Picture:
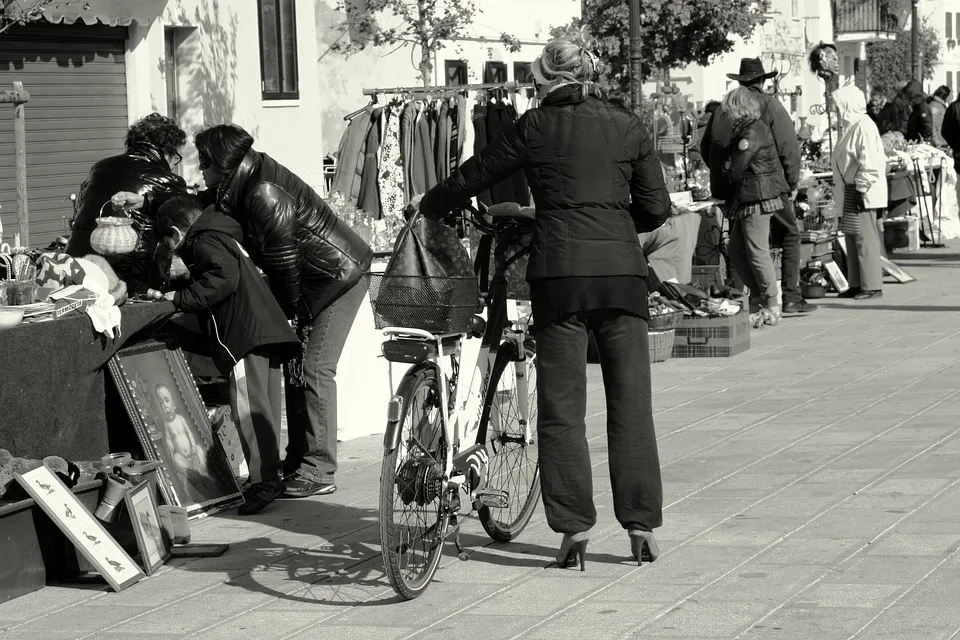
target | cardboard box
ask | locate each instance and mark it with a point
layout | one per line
(712, 337)
(79, 300)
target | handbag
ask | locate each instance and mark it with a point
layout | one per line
(429, 283)
(850, 217)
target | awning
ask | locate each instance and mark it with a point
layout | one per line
(113, 13)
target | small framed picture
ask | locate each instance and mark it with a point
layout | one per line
(79, 525)
(142, 507)
(172, 425)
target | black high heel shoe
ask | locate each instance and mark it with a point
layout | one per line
(573, 546)
(643, 546)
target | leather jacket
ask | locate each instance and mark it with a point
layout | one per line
(755, 171)
(310, 256)
(143, 171)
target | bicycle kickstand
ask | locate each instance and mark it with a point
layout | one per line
(461, 552)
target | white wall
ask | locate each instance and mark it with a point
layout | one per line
(218, 56)
(343, 78)
(935, 11)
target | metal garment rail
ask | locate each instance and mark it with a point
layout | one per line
(449, 88)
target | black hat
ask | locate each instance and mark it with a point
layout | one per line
(751, 70)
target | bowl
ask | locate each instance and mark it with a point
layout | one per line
(10, 317)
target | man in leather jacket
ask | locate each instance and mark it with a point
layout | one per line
(143, 174)
(715, 147)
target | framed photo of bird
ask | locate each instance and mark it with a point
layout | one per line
(78, 524)
(141, 503)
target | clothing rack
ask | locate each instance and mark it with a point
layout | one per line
(454, 88)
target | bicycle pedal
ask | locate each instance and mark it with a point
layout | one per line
(493, 498)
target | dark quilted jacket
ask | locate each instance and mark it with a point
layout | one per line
(595, 178)
(755, 170)
(310, 256)
(141, 171)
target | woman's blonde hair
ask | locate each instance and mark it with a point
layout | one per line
(567, 60)
(741, 104)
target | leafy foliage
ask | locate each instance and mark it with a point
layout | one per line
(888, 62)
(674, 33)
(424, 24)
(23, 11)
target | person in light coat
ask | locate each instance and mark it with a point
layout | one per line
(859, 159)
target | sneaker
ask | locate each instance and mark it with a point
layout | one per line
(798, 308)
(303, 487)
(258, 496)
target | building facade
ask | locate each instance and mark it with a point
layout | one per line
(477, 58)
(944, 16)
(93, 68)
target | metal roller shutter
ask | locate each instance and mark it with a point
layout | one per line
(77, 114)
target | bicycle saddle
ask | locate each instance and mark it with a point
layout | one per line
(510, 211)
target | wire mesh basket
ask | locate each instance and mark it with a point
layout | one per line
(439, 305)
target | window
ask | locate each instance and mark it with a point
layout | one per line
(455, 72)
(957, 30)
(494, 72)
(521, 73)
(278, 50)
(948, 26)
(950, 80)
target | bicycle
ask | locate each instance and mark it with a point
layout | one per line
(448, 429)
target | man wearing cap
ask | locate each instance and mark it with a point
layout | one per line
(716, 147)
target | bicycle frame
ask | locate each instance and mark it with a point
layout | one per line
(469, 362)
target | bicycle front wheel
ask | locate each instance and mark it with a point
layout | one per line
(412, 523)
(513, 479)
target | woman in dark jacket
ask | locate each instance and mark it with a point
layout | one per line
(140, 178)
(755, 172)
(596, 182)
(315, 264)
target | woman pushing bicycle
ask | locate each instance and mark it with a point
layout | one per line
(597, 183)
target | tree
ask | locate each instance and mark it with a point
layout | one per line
(426, 25)
(888, 61)
(23, 11)
(675, 33)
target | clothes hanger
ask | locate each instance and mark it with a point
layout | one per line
(351, 116)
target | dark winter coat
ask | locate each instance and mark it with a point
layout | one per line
(236, 309)
(951, 130)
(143, 171)
(596, 183)
(755, 171)
(717, 145)
(920, 124)
(895, 116)
(310, 256)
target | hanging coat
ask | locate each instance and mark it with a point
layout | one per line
(369, 192)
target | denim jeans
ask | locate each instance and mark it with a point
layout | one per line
(565, 471)
(786, 233)
(312, 397)
(749, 252)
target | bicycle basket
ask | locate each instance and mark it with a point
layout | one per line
(436, 304)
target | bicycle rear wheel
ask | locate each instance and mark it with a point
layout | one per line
(412, 523)
(513, 478)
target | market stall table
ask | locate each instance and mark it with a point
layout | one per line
(53, 393)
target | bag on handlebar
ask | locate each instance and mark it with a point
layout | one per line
(429, 283)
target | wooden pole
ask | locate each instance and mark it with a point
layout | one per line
(20, 151)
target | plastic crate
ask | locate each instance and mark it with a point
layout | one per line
(712, 337)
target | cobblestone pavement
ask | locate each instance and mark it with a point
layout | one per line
(812, 490)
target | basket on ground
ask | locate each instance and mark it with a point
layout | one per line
(661, 345)
(439, 305)
(664, 321)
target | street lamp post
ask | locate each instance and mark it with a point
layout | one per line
(915, 41)
(636, 60)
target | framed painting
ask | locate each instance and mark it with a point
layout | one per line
(172, 425)
(78, 524)
(142, 508)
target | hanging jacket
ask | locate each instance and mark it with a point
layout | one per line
(501, 118)
(858, 157)
(596, 182)
(234, 304)
(755, 171)
(310, 256)
(143, 171)
(716, 145)
(346, 180)
(369, 191)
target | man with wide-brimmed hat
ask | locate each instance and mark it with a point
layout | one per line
(716, 147)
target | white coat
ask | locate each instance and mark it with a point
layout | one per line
(858, 157)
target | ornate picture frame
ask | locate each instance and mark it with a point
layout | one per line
(141, 503)
(164, 405)
(81, 527)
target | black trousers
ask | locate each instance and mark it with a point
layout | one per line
(255, 385)
(565, 471)
(786, 233)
